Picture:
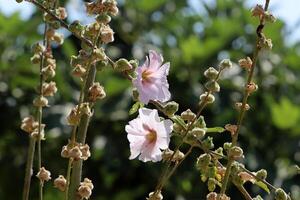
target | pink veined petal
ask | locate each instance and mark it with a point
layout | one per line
(163, 142)
(136, 144)
(161, 72)
(155, 60)
(135, 127)
(150, 153)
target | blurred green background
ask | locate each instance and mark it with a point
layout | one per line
(191, 39)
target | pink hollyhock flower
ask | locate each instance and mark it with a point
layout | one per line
(151, 81)
(148, 135)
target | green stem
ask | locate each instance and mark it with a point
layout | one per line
(28, 171)
(68, 178)
(80, 138)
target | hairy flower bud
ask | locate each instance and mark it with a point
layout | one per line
(98, 54)
(79, 71)
(96, 91)
(60, 183)
(280, 194)
(38, 48)
(269, 17)
(29, 124)
(231, 128)
(48, 72)
(43, 174)
(203, 161)
(76, 27)
(85, 188)
(208, 143)
(167, 154)
(103, 18)
(212, 86)
(246, 63)
(212, 196)
(265, 43)
(239, 106)
(170, 108)
(188, 115)
(74, 117)
(85, 150)
(39, 136)
(262, 174)
(75, 153)
(61, 13)
(251, 87)
(65, 152)
(226, 63)
(123, 65)
(35, 59)
(211, 73)
(40, 101)
(211, 184)
(58, 38)
(178, 156)
(258, 11)
(227, 145)
(85, 109)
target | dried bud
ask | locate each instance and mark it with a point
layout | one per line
(258, 11)
(74, 117)
(61, 13)
(49, 89)
(170, 108)
(212, 86)
(155, 195)
(50, 33)
(280, 194)
(211, 73)
(207, 98)
(266, 43)
(48, 72)
(38, 48)
(85, 188)
(60, 183)
(96, 91)
(167, 154)
(35, 134)
(236, 152)
(85, 150)
(79, 71)
(123, 65)
(198, 132)
(35, 59)
(107, 34)
(212, 196)
(29, 124)
(40, 101)
(226, 63)
(231, 128)
(246, 63)
(43, 174)
(65, 152)
(75, 153)
(188, 115)
(251, 87)
(269, 17)
(178, 156)
(239, 106)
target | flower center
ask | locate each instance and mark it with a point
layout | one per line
(151, 136)
(146, 76)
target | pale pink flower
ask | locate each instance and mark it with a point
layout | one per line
(151, 81)
(148, 135)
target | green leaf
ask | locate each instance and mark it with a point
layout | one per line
(285, 115)
(262, 186)
(215, 130)
(135, 107)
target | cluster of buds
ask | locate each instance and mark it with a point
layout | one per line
(43, 175)
(155, 196)
(76, 151)
(100, 7)
(85, 189)
(60, 183)
(246, 63)
(74, 116)
(31, 126)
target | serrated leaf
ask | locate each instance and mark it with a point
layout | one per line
(262, 186)
(135, 107)
(215, 130)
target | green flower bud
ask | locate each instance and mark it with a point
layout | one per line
(208, 143)
(200, 123)
(55, 24)
(208, 99)
(103, 18)
(188, 115)
(211, 184)
(198, 132)
(280, 194)
(212, 86)
(170, 108)
(262, 174)
(98, 54)
(212, 172)
(76, 27)
(269, 17)
(101, 64)
(236, 152)
(203, 161)
(134, 63)
(226, 63)
(227, 145)
(123, 65)
(177, 128)
(211, 73)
